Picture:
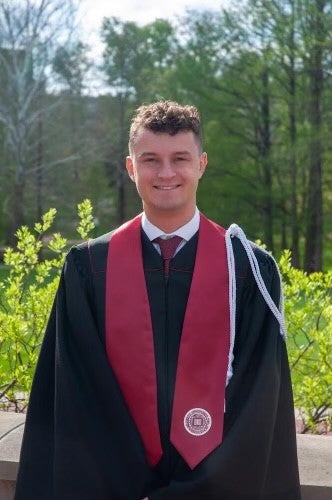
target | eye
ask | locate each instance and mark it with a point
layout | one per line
(180, 158)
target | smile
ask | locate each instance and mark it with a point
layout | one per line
(167, 188)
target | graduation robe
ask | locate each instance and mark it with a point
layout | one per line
(80, 441)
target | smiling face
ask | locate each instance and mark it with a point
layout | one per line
(166, 170)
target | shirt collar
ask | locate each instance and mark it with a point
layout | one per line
(185, 232)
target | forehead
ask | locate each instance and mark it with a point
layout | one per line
(147, 141)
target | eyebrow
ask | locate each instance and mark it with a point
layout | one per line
(152, 153)
(146, 153)
(182, 153)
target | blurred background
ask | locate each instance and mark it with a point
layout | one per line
(71, 74)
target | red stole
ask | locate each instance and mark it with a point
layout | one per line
(198, 406)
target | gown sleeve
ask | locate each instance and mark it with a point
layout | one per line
(79, 440)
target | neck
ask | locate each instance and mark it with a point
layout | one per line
(168, 223)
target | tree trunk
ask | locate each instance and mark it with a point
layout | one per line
(293, 140)
(74, 139)
(17, 218)
(284, 243)
(314, 227)
(265, 155)
(39, 171)
(121, 211)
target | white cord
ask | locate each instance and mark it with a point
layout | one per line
(232, 302)
(235, 230)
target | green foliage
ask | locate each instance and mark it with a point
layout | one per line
(71, 64)
(309, 320)
(26, 297)
(86, 224)
(134, 56)
(259, 73)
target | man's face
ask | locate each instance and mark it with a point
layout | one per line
(166, 170)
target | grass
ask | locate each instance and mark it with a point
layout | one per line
(328, 258)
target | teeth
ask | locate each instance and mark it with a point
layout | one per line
(166, 188)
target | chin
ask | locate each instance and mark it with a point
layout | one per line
(168, 206)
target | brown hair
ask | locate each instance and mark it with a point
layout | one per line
(166, 117)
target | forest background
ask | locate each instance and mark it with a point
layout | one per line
(261, 74)
(259, 71)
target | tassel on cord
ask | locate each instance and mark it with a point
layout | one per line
(235, 230)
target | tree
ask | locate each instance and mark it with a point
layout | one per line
(317, 21)
(71, 65)
(236, 70)
(266, 70)
(29, 33)
(282, 20)
(301, 31)
(134, 57)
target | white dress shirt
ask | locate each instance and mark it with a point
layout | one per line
(185, 232)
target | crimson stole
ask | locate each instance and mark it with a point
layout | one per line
(198, 406)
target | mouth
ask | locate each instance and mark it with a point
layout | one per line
(167, 188)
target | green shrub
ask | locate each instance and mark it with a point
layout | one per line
(308, 308)
(26, 298)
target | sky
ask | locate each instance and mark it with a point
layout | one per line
(92, 12)
(140, 11)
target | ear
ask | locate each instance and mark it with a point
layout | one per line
(202, 163)
(130, 168)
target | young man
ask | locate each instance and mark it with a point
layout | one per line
(163, 376)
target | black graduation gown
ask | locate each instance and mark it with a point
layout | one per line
(80, 442)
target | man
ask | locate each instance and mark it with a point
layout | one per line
(163, 376)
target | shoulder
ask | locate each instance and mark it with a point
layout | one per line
(265, 261)
(91, 255)
(100, 241)
(255, 267)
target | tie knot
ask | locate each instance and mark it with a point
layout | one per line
(168, 246)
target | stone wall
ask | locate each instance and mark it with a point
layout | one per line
(315, 460)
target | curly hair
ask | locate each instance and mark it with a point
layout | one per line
(166, 117)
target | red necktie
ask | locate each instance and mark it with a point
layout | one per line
(167, 248)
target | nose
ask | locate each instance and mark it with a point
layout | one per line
(166, 170)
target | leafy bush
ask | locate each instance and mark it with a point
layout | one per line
(308, 308)
(26, 298)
